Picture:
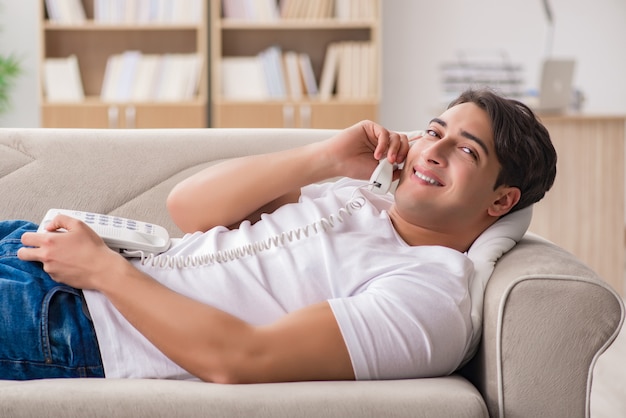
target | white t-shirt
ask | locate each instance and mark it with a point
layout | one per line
(403, 311)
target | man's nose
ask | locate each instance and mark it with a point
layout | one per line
(437, 153)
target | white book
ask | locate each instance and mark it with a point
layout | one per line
(100, 11)
(195, 64)
(128, 75)
(75, 11)
(294, 79)
(344, 72)
(131, 11)
(112, 74)
(165, 11)
(243, 78)
(343, 9)
(179, 11)
(145, 82)
(308, 75)
(173, 83)
(273, 66)
(62, 81)
(328, 78)
(143, 11)
(53, 9)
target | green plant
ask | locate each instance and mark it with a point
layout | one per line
(10, 69)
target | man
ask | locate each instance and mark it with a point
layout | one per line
(382, 294)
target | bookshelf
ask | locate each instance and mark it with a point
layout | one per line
(91, 33)
(245, 90)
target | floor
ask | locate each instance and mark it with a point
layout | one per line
(608, 393)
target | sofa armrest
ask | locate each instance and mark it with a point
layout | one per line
(547, 318)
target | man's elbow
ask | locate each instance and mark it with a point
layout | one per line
(231, 371)
(179, 212)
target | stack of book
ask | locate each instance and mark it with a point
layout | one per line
(255, 10)
(349, 72)
(127, 11)
(148, 11)
(137, 77)
(268, 10)
(307, 9)
(62, 81)
(272, 74)
(67, 12)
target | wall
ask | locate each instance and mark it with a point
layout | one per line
(418, 35)
(19, 35)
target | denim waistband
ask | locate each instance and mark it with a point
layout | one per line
(45, 330)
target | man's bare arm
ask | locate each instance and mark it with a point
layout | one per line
(205, 341)
(242, 188)
(218, 347)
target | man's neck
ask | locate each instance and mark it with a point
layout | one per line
(415, 235)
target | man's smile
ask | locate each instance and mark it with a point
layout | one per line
(426, 178)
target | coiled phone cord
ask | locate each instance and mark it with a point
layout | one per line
(164, 261)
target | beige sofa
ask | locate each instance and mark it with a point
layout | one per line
(547, 317)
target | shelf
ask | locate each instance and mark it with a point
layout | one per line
(95, 26)
(322, 24)
(256, 50)
(139, 51)
(96, 101)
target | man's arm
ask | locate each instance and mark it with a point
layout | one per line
(217, 347)
(209, 343)
(243, 188)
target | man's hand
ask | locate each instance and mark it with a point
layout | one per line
(77, 257)
(357, 149)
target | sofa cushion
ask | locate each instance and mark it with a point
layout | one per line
(441, 397)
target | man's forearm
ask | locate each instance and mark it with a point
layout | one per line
(218, 347)
(227, 193)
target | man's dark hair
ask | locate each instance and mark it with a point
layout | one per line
(522, 143)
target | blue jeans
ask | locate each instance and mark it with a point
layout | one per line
(45, 328)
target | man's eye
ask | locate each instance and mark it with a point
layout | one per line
(469, 152)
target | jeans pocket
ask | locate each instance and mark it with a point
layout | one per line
(67, 334)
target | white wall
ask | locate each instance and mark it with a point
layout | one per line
(19, 35)
(418, 35)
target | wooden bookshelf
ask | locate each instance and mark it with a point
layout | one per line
(94, 41)
(234, 36)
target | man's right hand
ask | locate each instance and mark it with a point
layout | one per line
(356, 150)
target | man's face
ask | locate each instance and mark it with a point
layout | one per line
(449, 174)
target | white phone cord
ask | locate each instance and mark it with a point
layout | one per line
(164, 261)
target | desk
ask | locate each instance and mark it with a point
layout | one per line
(584, 211)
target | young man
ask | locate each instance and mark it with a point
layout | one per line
(381, 294)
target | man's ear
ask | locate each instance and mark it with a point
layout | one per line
(508, 197)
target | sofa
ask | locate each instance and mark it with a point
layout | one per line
(547, 317)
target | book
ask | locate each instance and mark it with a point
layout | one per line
(294, 78)
(195, 64)
(62, 80)
(67, 12)
(112, 74)
(306, 68)
(145, 82)
(146, 11)
(274, 71)
(127, 75)
(243, 78)
(330, 68)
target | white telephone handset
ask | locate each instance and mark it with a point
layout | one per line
(382, 177)
(118, 233)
